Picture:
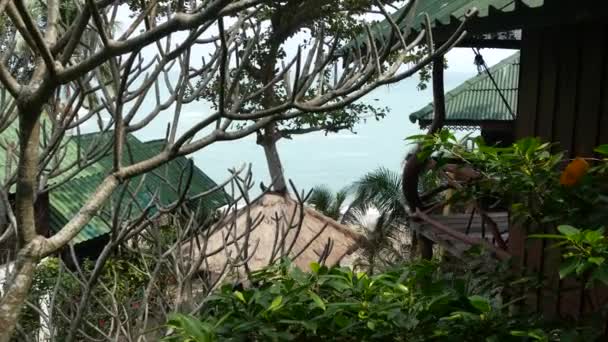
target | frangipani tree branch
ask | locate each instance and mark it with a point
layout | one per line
(89, 74)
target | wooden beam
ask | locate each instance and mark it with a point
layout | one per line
(491, 43)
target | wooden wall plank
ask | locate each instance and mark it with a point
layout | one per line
(548, 81)
(570, 298)
(528, 84)
(565, 111)
(516, 248)
(551, 287)
(534, 255)
(588, 101)
(602, 134)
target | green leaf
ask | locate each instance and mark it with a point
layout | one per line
(337, 284)
(568, 267)
(309, 325)
(601, 274)
(403, 288)
(546, 236)
(596, 260)
(593, 236)
(276, 303)
(341, 321)
(239, 296)
(536, 334)
(480, 303)
(190, 328)
(602, 149)
(318, 301)
(568, 230)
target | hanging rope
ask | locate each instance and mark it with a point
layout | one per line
(481, 67)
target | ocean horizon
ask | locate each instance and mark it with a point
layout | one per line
(337, 160)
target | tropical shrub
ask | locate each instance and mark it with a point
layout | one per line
(538, 186)
(416, 302)
(585, 253)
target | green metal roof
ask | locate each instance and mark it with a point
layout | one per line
(445, 12)
(67, 199)
(477, 99)
(167, 177)
(72, 156)
(168, 180)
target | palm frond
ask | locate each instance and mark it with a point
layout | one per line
(322, 199)
(382, 189)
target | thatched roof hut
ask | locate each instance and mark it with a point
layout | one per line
(273, 218)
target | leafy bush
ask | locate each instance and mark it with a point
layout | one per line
(585, 253)
(538, 186)
(417, 302)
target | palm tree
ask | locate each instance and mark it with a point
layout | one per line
(380, 189)
(386, 237)
(377, 208)
(328, 203)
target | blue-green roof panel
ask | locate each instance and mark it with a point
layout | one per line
(478, 99)
(445, 12)
(167, 180)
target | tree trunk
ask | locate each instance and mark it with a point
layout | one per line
(268, 140)
(17, 289)
(29, 138)
(414, 166)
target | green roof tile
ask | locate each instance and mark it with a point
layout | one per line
(477, 99)
(67, 200)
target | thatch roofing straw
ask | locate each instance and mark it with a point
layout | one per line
(275, 218)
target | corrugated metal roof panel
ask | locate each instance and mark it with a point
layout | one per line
(73, 155)
(66, 201)
(477, 99)
(168, 180)
(445, 12)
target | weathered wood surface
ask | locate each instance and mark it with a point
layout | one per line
(472, 225)
(563, 87)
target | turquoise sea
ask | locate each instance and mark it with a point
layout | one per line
(337, 160)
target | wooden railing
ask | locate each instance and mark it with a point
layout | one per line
(456, 233)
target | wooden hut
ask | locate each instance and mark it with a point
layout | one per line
(486, 102)
(562, 97)
(271, 227)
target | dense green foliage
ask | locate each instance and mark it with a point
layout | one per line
(541, 189)
(526, 178)
(417, 302)
(585, 253)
